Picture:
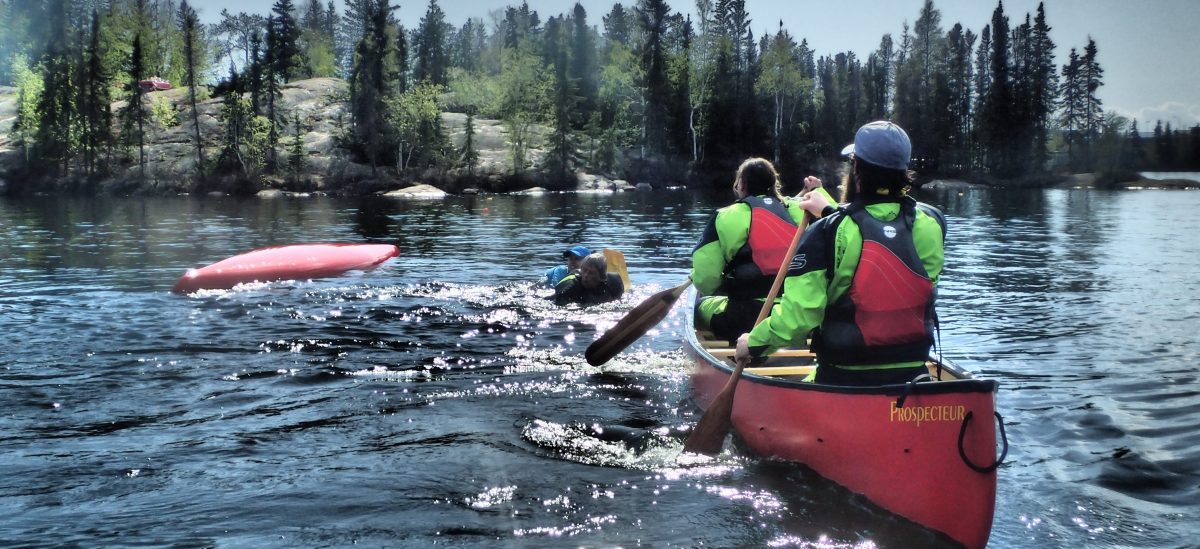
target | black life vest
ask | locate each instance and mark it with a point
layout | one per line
(887, 315)
(752, 270)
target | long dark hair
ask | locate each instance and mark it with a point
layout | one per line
(878, 184)
(759, 177)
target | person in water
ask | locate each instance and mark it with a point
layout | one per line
(741, 249)
(591, 285)
(573, 258)
(864, 278)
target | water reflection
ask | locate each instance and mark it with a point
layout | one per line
(444, 389)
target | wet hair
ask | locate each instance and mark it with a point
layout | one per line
(759, 177)
(878, 184)
(596, 261)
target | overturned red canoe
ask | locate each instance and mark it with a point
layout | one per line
(295, 262)
(925, 451)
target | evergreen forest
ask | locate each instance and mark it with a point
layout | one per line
(642, 91)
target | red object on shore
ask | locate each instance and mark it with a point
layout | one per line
(295, 262)
(925, 451)
(154, 83)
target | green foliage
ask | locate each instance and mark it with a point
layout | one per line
(319, 58)
(524, 101)
(297, 161)
(163, 113)
(473, 92)
(28, 82)
(415, 118)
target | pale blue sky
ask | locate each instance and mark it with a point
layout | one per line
(1148, 48)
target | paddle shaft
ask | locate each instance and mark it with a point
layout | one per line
(709, 434)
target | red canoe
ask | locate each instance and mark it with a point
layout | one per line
(295, 262)
(154, 83)
(925, 451)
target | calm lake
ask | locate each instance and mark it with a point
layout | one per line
(441, 400)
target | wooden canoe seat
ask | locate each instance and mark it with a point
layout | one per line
(791, 353)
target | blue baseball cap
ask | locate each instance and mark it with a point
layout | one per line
(578, 251)
(881, 143)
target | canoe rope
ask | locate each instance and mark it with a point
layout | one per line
(963, 454)
(908, 386)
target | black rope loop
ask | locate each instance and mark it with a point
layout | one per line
(908, 387)
(963, 454)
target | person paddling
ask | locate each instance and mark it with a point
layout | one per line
(741, 248)
(864, 277)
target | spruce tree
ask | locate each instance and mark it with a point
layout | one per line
(190, 25)
(134, 115)
(652, 17)
(583, 68)
(56, 107)
(283, 41)
(431, 59)
(470, 156)
(97, 103)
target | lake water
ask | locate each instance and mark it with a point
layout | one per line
(442, 400)
(1194, 176)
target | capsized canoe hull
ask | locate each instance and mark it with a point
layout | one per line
(899, 450)
(294, 262)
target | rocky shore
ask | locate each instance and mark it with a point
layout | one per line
(322, 106)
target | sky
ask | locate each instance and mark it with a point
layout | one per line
(1148, 48)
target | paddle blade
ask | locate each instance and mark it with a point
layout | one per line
(709, 435)
(616, 265)
(633, 325)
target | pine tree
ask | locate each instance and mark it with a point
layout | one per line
(1073, 104)
(297, 157)
(470, 156)
(276, 48)
(134, 115)
(96, 106)
(1045, 86)
(583, 69)
(283, 41)
(257, 64)
(235, 113)
(652, 18)
(369, 87)
(998, 135)
(561, 156)
(56, 107)
(431, 59)
(616, 25)
(190, 24)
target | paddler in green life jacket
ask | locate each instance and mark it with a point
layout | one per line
(741, 249)
(864, 279)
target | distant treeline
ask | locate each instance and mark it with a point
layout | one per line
(644, 88)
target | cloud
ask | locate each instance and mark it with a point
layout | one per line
(1179, 115)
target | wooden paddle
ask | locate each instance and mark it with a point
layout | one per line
(709, 434)
(633, 325)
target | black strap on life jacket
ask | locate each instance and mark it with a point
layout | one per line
(887, 314)
(752, 269)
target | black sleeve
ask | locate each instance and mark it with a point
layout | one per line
(616, 286)
(568, 291)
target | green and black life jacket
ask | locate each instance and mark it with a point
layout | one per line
(752, 270)
(887, 315)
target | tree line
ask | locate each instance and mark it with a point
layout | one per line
(642, 91)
